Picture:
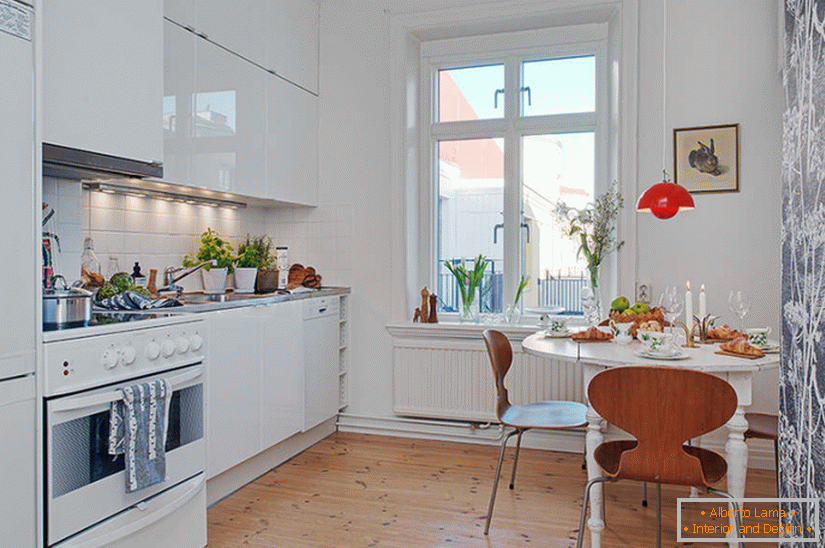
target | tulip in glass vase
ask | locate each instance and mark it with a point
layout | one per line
(468, 282)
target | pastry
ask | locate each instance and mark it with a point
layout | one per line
(650, 325)
(724, 333)
(592, 334)
(743, 347)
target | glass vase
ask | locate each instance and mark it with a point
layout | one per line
(591, 304)
(469, 312)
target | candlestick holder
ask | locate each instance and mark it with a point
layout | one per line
(689, 333)
(705, 325)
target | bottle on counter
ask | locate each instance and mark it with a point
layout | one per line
(89, 261)
(138, 277)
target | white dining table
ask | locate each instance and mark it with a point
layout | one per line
(596, 356)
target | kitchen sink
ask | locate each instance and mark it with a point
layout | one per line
(202, 298)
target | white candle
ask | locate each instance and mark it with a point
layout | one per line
(688, 307)
(703, 307)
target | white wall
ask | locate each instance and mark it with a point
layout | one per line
(721, 69)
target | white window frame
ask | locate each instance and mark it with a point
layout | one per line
(510, 50)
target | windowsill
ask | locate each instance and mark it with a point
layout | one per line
(452, 329)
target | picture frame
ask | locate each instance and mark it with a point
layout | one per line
(706, 158)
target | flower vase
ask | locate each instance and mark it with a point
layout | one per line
(469, 312)
(512, 314)
(591, 304)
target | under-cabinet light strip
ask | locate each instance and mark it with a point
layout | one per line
(162, 195)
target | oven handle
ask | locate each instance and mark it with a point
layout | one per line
(74, 404)
(110, 537)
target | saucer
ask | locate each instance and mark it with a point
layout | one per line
(661, 356)
(771, 347)
(556, 334)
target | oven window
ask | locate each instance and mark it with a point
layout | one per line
(80, 452)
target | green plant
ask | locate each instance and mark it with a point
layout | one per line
(522, 284)
(212, 248)
(468, 281)
(255, 253)
(594, 227)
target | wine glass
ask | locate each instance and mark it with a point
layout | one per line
(739, 303)
(671, 304)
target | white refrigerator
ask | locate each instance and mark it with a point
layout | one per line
(18, 277)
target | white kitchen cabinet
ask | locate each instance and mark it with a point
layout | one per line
(181, 12)
(293, 50)
(17, 462)
(240, 25)
(292, 143)
(229, 122)
(103, 76)
(178, 92)
(255, 383)
(321, 359)
(343, 352)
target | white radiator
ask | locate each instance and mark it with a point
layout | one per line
(454, 379)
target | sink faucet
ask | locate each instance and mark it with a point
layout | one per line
(173, 274)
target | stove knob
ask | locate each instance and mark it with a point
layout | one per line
(195, 342)
(152, 351)
(109, 358)
(182, 345)
(167, 347)
(129, 354)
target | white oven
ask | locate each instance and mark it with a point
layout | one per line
(87, 504)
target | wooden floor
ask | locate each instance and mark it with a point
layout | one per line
(355, 490)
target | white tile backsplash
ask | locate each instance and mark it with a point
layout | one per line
(158, 233)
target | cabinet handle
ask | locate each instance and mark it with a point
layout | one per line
(322, 310)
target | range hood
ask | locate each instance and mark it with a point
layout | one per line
(82, 165)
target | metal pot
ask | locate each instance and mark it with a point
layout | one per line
(67, 306)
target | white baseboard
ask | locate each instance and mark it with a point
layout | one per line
(760, 452)
(228, 482)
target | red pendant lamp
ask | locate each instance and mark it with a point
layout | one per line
(665, 199)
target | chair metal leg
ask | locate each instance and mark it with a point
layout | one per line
(495, 482)
(658, 515)
(515, 462)
(587, 487)
(644, 494)
(776, 462)
(736, 510)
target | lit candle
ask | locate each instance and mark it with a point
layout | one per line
(703, 307)
(688, 307)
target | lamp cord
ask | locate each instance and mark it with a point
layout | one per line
(664, 87)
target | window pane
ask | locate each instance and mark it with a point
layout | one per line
(470, 205)
(555, 167)
(470, 93)
(559, 86)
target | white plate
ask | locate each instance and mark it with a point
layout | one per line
(771, 348)
(557, 335)
(657, 356)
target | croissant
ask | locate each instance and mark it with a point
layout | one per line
(724, 333)
(592, 334)
(741, 346)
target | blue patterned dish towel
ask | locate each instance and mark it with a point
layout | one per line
(137, 429)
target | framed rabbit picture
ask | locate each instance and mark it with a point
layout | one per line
(706, 158)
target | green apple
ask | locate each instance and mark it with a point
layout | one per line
(640, 308)
(620, 304)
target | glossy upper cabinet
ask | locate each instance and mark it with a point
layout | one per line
(178, 114)
(293, 51)
(229, 122)
(103, 76)
(239, 25)
(292, 143)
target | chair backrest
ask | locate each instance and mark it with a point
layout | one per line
(662, 407)
(501, 357)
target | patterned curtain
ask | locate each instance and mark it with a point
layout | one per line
(802, 388)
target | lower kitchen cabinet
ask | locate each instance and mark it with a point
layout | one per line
(17, 462)
(255, 381)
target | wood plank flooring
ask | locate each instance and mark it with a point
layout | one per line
(356, 490)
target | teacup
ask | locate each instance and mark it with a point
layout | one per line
(655, 342)
(758, 336)
(622, 331)
(557, 325)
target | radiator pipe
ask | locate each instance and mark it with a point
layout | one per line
(469, 425)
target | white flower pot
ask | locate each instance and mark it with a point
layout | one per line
(245, 280)
(214, 280)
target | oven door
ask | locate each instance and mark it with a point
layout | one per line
(86, 485)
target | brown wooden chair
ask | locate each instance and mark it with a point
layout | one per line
(663, 408)
(765, 427)
(545, 414)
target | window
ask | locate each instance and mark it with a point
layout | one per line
(512, 130)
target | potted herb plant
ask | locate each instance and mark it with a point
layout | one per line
(253, 256)
(468, 282)
(219, 252)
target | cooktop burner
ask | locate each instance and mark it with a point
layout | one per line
(108, 317)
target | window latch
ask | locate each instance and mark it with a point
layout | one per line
(495, 97)
(529, 97)
(527, 226)
(495, 232)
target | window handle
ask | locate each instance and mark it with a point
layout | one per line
(495, 97)
(527, 226)
(495, 232)
(529, 97)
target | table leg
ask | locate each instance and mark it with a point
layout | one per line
(593, 439)
(737, 452)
